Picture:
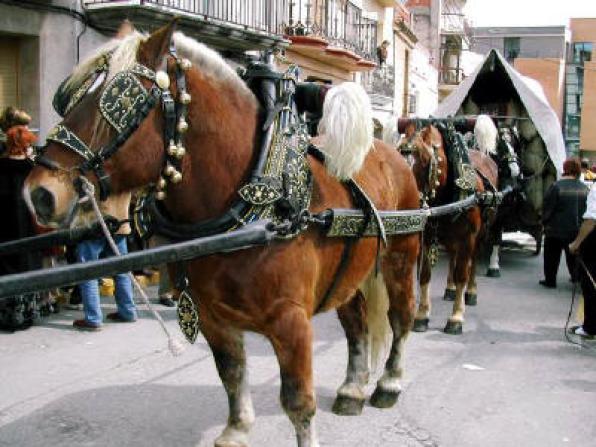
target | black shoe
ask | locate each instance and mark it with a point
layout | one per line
(116, 317)
(546, 284)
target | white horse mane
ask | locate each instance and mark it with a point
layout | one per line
(346, 129)
(124, 56)
(486, 132)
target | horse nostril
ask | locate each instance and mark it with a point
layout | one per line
(43, 202)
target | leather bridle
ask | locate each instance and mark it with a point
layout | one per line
(124, 104)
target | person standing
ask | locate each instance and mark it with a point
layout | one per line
(584, 245)
(90, 250)
(564, 205)
(17, 312)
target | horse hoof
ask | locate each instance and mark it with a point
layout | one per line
(420, 325)
(493, 273)
(384, 399)
(220, 442)
(232, 437)
(454, 327)
(449, 295)
(471, 299)
(347, 406)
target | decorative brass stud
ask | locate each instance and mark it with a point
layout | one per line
(173, 149)
(176, 177)
(162, 80)
(439, 172)
(160, 195)
(169, 170)
(161, 183)
(181, 151)
(185, 98)
(437, 183)
(182, 125)
(185, 64)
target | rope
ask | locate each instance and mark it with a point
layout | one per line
(175, 346)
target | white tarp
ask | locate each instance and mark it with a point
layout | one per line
(531, 94)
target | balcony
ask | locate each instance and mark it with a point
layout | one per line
(333, 31)
(227, 25)
(451, 76)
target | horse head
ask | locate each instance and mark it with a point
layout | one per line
(106, 95)
(425, 151)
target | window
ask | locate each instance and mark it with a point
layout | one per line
(582, 52)
(573, 126)
(412, 104)
(512, 47)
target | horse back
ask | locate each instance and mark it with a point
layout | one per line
(385, 177)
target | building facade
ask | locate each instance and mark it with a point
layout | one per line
(443, 30)
(580, 97)
(41, 41)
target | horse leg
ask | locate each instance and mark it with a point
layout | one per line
(494, 269)
(227, 345)
(471, 296)
(291, 337)
(449, 294)
(398, 270)
(463, 261)
(350, 396)
(424, 307)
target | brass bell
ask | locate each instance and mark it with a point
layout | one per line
(160, 195)
(180, 151)
(185, 64)
(182, 125)
(176, 177)
(162, 80)
(169, 170)
(172, 149)
(185, 98)
(161, 183)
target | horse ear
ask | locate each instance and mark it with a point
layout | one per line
(152, 51)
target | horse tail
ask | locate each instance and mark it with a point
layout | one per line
(485, 132)
(377, 306)
(346, 128)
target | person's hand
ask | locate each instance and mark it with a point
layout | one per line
(574, 247)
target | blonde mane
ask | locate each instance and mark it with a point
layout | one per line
(124, 56)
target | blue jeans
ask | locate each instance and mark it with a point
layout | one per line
(90, 251)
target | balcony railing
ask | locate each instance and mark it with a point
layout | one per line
(338, 21)
(270, 16)
(451, 76)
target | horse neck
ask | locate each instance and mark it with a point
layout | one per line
(220, 150)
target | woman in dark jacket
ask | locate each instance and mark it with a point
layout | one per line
(16, 222)
(564, 206)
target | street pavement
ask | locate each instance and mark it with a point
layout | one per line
(510, 380)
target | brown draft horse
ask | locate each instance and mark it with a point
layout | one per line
(273, 290)
(459, 234)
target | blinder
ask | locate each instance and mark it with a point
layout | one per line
(124, 104)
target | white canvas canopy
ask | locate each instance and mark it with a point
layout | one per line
(532, 97)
